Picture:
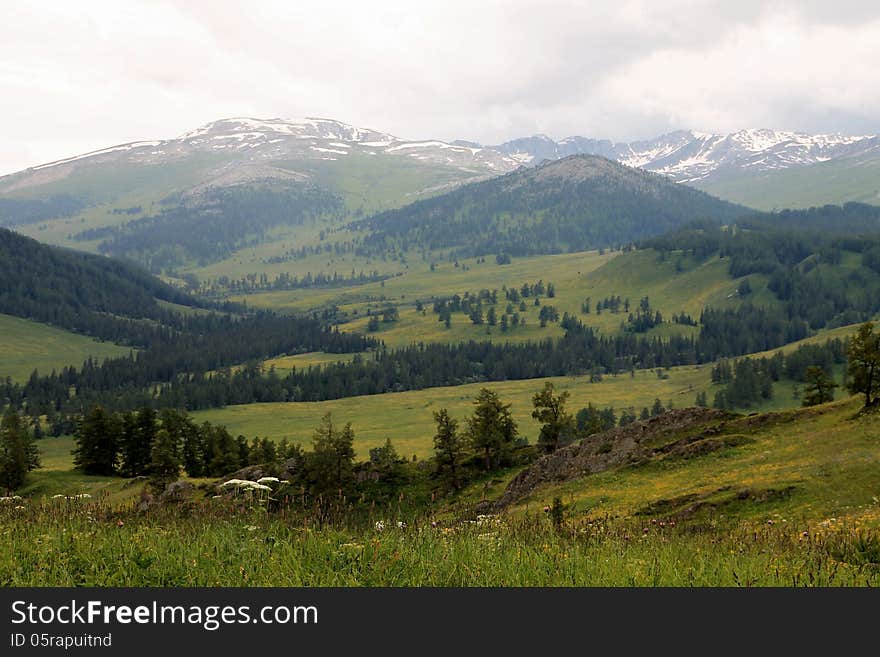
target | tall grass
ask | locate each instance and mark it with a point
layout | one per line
(229, 543)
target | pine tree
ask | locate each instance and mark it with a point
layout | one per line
(164, 460)
(449, 449)
(138, 432)
(492, 429)
(97, 443)
(18, 452)
(331, 462)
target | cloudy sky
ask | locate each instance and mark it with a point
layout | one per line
(77, 76)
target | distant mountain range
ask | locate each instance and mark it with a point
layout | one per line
(689, 156)
(254, 144)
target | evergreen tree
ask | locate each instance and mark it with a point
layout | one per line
(331, 463)
(224, 453)
(18, 452)
(818, 386)
(657, 408)
(449, 449)
(491, 428)
(137, 435)
(97, 443)
(164, 460)
(701, 399)
(385, 462)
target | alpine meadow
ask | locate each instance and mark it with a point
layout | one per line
(298, 352)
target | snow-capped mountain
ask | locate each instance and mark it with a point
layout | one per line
(689, 156)
(244, 149)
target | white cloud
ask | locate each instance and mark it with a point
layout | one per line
(80, 76)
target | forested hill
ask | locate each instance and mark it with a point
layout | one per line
(573, 204)
(78, 291)
(820, 266)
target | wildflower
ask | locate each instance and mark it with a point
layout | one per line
(769, 522)
(434, 524)
(251, 528)
(401, 524)
(380, 525)
(119, 523)
(268, 480)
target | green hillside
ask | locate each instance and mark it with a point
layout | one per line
(28, 345)
(572, 204)
(837, 181)
(818, 465)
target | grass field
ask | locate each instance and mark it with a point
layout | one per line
(795, 504)
(28, 345)
(407, 417)
(673, 286)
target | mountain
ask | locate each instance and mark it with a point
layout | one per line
(572, 204)
(239, 150)
(78, 291)
(695, 157)
(837, 181)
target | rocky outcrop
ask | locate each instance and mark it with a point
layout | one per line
(683, 433)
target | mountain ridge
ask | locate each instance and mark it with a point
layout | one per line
(684, 155)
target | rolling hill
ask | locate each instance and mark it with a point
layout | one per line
(572, 204)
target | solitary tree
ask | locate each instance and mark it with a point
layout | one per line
(491, 428)
(18, 452)
(556, 424)
(331, 462)
(818, 386)
(164, 459)
(864, 363)
(449, 449)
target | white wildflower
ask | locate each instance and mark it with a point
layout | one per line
(401, 524)
(268, 480)
(380, 525)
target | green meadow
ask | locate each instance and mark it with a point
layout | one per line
(27, 345)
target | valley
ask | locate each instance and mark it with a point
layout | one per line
(385, 331)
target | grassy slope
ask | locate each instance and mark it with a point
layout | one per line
(828, 454)
(576, 276)
(838, 181)
(27, 345)
(406, 417)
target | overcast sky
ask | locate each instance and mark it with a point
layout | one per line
(77, 76)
